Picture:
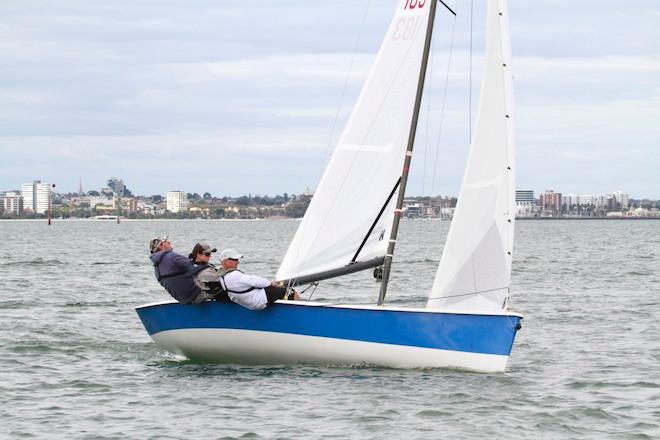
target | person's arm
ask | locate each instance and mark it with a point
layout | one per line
(253, 280)
(180, 261)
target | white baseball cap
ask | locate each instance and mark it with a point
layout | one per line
(230, 254)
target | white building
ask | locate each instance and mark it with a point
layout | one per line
(148, 208)
(527, 210)
(177, 201)
(27, 191)
(12, 202)
(526, 205)
(91, 202)
(447, 213)
(598, 201)
(621, 199)
(412, 210)
(36, 196)
(578, 200)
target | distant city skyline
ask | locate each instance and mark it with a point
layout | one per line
(124, 185)
(249, 98)
(117, 200)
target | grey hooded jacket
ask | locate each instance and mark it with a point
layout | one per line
(175, 273)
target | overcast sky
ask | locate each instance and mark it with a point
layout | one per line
(242, 97)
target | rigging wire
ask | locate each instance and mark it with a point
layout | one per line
(348, 76)
(479, 292)
(440, 126)
(470, 75)
(442, 108)
(379, 111)
(315, 285)
(426, 142)
(342, 95)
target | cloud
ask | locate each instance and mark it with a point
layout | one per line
(307, 67)
(157, 91)
(615, 64)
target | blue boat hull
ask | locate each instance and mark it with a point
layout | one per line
(301, 332)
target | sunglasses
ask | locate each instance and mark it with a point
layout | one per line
(208, 254)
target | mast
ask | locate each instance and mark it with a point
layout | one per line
(387, 264)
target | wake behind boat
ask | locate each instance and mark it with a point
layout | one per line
(466, 323)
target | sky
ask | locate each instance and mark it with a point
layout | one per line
(241, 98)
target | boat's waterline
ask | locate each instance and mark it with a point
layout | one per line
(321, 334)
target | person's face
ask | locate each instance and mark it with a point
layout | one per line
(165, 246)
(229, 263)
(204, 257)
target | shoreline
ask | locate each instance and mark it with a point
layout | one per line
(298, 219)
(149, 219)
(587, 218)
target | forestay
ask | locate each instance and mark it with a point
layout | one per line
(475, 267)
(367, 163)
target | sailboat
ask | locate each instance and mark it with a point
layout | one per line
(352, 223)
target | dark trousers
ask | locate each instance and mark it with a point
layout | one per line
(273, 293)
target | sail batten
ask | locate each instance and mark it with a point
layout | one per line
(368, 159)
(475, 268)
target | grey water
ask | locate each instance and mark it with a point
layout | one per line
(75, 361)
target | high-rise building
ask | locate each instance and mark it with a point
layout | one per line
(36, 196)
(573, 200)
(117, 186)
(27, 191)
(525, 197)
(12, 203)
(177, 201)
(550, 202)
(621, 199)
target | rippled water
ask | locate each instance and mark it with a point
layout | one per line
(75, 361)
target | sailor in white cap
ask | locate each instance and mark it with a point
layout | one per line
(250, 291)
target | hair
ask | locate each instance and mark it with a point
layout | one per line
(197, 249)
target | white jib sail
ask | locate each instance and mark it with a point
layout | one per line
(368, 159)
(475, 267)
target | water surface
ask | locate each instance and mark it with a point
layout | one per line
(75, 361)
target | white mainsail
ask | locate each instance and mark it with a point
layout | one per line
(367, 162)
(475, 267)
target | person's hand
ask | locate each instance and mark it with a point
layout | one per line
(275, 283)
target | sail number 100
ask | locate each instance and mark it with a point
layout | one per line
(412, 4)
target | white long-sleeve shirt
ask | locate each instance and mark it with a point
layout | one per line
(237, 281)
